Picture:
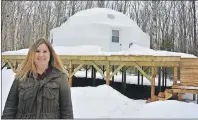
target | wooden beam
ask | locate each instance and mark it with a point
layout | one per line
(127, 63)
(189, 61)
(4, 65)
(3, 60)
(153, 83)
(70, 72)
(107, 58)
(67, 70)
(168, 61)
(11, 65)
(17, 57)
(121, 58)
(98, 69)
(108, 74)
(76, 69)
(191, 91)
(175, 76)
(191, 83)
(149, 63)
(138, 67)
(118, 68)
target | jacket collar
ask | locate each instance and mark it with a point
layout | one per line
(53, 74)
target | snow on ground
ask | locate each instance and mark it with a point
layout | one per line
(105, 102)
(96, 50)
(168, 109)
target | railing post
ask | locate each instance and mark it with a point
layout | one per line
(70, 72)
(175, 76)
(153, 84)
(108, 73)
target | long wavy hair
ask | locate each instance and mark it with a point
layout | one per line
(28, 65)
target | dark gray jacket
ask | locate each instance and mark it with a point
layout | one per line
(40, 99)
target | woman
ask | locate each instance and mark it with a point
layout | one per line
(40, 89)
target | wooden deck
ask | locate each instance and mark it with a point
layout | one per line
(188, 66)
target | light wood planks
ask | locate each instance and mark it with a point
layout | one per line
(189, 72)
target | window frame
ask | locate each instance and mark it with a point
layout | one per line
(115, 38)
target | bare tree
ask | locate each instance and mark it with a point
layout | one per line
(195, 35)
(100, 3)
(136, 7)
(88, 4)
(144, 16)
(58, 6)
(154, 42)
(172, 25)
(4, 17)
(164, 24)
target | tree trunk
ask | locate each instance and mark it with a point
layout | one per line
(195, 35)
(154, 25)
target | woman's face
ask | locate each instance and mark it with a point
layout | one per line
(42, 56)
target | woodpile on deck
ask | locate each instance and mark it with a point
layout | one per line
(167, 94)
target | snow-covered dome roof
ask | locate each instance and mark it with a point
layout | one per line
(94, 27)
(100, 16)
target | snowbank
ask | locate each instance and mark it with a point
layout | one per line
(105, 102)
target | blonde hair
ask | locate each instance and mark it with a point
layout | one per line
(28, 65)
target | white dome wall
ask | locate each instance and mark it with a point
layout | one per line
(85, 34)
(136, 36)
